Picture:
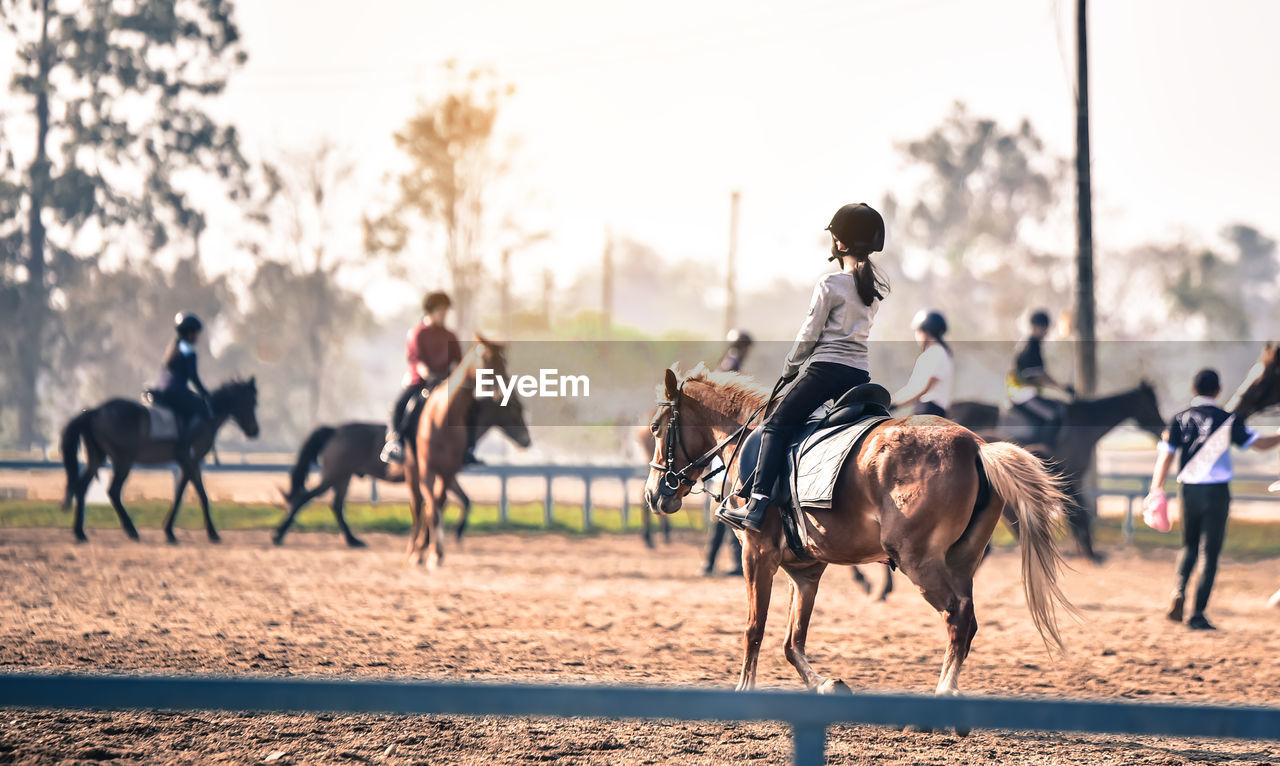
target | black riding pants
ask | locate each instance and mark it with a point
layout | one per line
(185, 403)
(401, 411)
(819, 382)
(1204, 515)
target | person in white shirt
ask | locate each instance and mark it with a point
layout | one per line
(929, 388)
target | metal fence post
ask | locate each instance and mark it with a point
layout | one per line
(1128, 520)
(810, 744)
(373, 490)
(626, 504)
(547, 504)
(587, 520)
(504, 511)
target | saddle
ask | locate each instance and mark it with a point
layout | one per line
(163, 421)
(816, 455)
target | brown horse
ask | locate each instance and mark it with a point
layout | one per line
(913, 493)
(120, 429)
(352, 449)
(438, 445)
(1261, 387)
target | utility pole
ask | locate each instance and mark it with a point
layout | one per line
(1087, 360)
(606, 286)
(548, 288)
(730, 288)
(506, 294)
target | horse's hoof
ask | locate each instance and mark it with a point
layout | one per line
(81, 537)
(913, 729)
(834, 686)
(277, 539)
(133, 534)
(353, 542)
(171, 539)
(962, 731)
(214, 538)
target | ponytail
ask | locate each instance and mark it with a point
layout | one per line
(872, 284)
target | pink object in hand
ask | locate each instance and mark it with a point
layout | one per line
(1155, 511)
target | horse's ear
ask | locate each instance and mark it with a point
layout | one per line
(481, 339)
(253, 382)
(672, 385)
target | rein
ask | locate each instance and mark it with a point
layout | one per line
(672, 479)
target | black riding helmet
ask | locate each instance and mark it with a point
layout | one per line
(186, 323)
(1040, 318)
(930, 322)
(737, 337)
(859, 227)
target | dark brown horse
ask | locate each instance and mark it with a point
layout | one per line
(121, 430)
(912, 492)
(352, 449)
(435, 456)
(1084, 423)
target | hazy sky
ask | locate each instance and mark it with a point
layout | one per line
(643, 117)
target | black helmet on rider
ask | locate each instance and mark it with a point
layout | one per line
(859, 228)
(737, 337)
(186, 323)
(1040, 319)
(931, 323)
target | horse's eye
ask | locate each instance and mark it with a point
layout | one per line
(653, 428)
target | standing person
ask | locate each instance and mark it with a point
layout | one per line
(929, 387)
(735, 355)
(833, 340)
(178, 375)
(1206, 497)
(432, 352)
(1028, 379)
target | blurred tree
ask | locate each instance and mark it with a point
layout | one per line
(114, 119)
(972, 221)
(453, 166)
(311, 235)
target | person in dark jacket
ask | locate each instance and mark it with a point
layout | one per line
(1028, 380)
(178, 376)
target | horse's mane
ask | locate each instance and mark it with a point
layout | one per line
(736, 392)
(229, 388)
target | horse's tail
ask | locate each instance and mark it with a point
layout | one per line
(306, 457)
(1035, 495)
(70, 445)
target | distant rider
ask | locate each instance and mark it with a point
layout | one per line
(432, 352)
(929, 388)
(1028, 379)
(833, 340)
(177, 376)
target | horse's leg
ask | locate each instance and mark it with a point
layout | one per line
(413, 480)
(198, 482)
(179, 488)
(759, 567)
(648, 527)
(436, 487)
(861, 580)
(666, 529)
(120, 472)
(340, 512)
(466, 507)
(804, 590)
(949, 590)
(1081, 522)
(886, 587)
(94, 462)
(295, 506)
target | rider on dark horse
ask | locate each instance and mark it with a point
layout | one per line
(833, 339)
(432, 352)
(177, 376)
(1028, 379)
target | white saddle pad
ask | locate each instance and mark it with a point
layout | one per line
(822, 455)
(164, 425)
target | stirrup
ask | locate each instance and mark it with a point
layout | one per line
(392, 452)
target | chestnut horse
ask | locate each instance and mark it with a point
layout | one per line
(435, 453)
(912, 492)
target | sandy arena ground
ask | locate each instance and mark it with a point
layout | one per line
(547, 608)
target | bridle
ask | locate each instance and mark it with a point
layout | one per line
(672, 480)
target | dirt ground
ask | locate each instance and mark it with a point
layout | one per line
(548, 608)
